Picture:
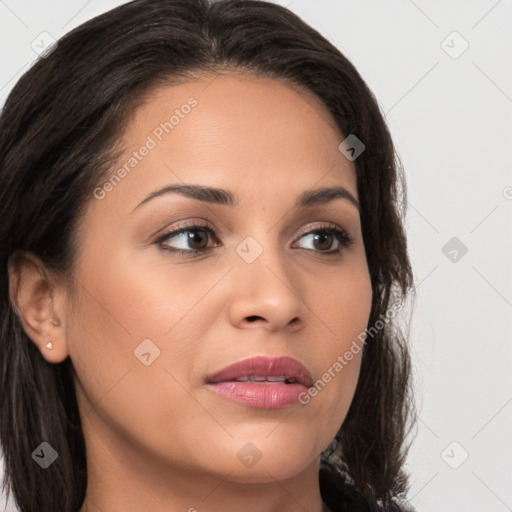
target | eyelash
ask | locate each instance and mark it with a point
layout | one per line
(345, 240)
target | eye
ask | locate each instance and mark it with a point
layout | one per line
(194, 235)
(323, 237)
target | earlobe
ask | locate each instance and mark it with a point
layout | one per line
(34, 294)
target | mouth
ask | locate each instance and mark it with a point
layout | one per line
(262, 382)
(265, 379)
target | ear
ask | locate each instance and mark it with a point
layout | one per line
(39, 299)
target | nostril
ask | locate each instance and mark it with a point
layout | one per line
(253, 318)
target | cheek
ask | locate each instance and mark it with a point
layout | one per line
(119, 315)
(111, 315)
(344, 310)
(145, 297)
(344, 305)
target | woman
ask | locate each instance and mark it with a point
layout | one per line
(202, 254)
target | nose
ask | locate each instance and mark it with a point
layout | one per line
(266, 293)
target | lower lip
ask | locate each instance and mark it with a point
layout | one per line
(262, 396)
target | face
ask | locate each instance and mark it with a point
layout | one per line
(153, 314)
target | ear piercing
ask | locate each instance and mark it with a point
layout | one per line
(49, 345)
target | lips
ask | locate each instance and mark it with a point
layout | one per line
(263, 370)
(262, 382)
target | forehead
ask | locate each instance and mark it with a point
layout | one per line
(231, 131)
(256, 104)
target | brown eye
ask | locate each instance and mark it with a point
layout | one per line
(323, 238)
(187, 240)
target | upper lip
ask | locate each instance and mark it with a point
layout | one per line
(265, 366)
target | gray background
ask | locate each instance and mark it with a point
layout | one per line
(450, 116)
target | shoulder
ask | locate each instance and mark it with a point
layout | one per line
(341, 496)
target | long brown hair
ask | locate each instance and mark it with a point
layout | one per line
(58, 129)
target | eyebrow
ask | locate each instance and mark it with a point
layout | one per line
(221, 196)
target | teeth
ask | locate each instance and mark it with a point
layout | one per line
(263, 378)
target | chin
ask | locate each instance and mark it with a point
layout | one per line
(260, 463)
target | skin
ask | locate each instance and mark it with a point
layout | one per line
(157, 439)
